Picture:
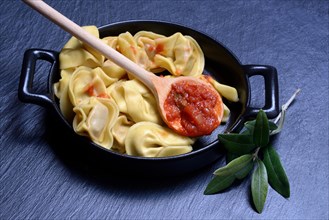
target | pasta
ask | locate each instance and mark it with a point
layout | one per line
(95, 118)
(116, 111)
(180, 55)
(152, 140)
(86, 83)
(119, 131)
(128, 47)
(136, 101)
(61, 91)
(75, 53)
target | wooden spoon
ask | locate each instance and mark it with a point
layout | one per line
(187, 118)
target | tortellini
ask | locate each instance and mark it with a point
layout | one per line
(136, 101)
(75, 53)
(180, 55)
(61, 91)
(86, 83)
(95, 118)
(116, 111)
(119, 131)
(152, 140)
(128, 47)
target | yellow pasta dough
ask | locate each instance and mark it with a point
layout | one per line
(180, 55)
(75, 53)
(148, 139)
(95, 118)
(119, 131)
(128, 47)
(136, 101)
(61, 91)
(85, 83)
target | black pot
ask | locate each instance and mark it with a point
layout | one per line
(220, 63)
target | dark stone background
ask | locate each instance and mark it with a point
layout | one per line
(39, 181)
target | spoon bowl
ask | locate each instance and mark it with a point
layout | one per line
(190, 107)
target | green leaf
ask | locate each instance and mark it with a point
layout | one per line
(244, 171)
(276, 175)
(225, 176)
(234, 166)
(250, 125)
(259, 186)
(219, 183)
(237, 143)
(261, 131)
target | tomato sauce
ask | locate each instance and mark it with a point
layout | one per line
(159, 48)
(92, 92)
(194, 107)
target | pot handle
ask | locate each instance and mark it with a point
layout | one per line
(271, 107)
(25, 88)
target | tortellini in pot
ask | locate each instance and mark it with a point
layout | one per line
(148, 139)
(116, 111)
(61, 92)
(95, 118)
(119, 131)
(128, 47)
(180, 55)
(136, 101)
(75, 53)
(85, 83)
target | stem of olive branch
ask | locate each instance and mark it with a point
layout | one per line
(255, 155)
(287, 104)
(279, 120)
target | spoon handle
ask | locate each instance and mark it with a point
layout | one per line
(75, 30)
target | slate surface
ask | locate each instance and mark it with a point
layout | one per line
(39, 181)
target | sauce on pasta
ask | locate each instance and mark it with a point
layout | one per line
(91, 91)
(196, 109)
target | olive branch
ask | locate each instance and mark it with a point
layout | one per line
(251, 150)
